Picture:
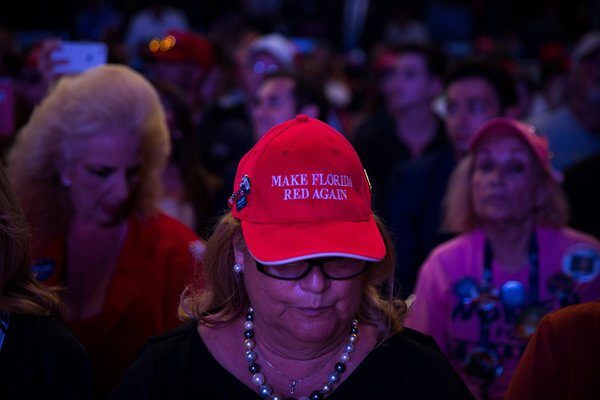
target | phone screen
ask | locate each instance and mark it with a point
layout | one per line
(76, 57)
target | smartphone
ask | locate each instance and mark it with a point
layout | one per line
(7, 107)
(77, 57)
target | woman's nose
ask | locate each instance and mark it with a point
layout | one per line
(315, 281)
(120, 186)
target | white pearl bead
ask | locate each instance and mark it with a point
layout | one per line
(326, 388)
(277, 397)
(345, 358)
(248, 325)
(258, 379)
(349, 348)
(333, 378)
(238, 268)
(249, 344)
(353, 338)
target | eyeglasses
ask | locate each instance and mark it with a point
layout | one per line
(336, 268)
(261, 68)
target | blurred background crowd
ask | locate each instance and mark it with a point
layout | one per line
(208, 59)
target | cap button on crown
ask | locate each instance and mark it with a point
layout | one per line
(301, 118)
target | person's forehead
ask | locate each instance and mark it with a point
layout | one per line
(409, 59)
(502, 142)
(279, 86)
(471, 86)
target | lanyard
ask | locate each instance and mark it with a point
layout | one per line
(534, 269)
(488, 314)
(3, 329)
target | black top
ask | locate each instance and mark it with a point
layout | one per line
(380, 150)
(41, 359)
(177, 365)
(414, 211)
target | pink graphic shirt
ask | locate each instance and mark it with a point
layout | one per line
(568, 265)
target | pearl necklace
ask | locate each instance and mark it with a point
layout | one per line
(259, 379)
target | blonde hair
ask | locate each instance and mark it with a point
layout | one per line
(224, 299)
(459, 214)
(20, 293)
(79, 108)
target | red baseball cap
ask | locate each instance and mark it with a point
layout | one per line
(537, 143)
(184, 46)
(301, 192)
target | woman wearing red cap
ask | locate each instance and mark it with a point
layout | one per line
(482, 294)
(87, 168)
(298, 301)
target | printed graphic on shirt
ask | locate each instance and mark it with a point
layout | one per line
(492, 324)
(581, 263)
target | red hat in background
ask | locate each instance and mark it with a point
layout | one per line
(538, 144)
(301, 192)
(384, 61)
(183, 46)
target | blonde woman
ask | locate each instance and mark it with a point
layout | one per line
(87, 168)
(482, 294)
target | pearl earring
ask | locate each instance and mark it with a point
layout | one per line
(238, 268)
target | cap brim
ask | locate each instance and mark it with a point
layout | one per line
(283, 243)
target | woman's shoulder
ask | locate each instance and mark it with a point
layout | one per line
(54, 342)
(173, 341)
(461, 247)
(47, 330)
(168, 363)
(406, 365)
(460, 243)
(410, 341)
(567, 235)
(44, 354)
(168, 350)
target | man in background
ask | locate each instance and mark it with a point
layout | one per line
(476, 91)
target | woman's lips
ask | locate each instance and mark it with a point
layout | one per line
(313, 311)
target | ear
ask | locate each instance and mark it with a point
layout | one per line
(239, 248)
(312, 110)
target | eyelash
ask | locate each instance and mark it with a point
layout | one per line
(106, 172)
(101, 172)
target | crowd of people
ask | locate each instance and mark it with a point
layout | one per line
(275, 218)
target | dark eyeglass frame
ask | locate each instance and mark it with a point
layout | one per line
(313, 262)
